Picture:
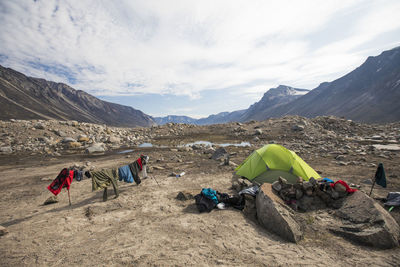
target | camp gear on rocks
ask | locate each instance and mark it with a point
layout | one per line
(253, 190)
(393, 199)
(271, 161)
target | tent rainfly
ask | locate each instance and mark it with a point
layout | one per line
(266, 164)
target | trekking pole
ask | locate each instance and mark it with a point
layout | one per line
(69, 198)
(372, 187)
(155, 180)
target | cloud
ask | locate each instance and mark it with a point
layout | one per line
(186, 47)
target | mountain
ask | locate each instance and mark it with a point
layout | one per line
(370, 93)
(272, 99)
(23, 97)
(222, 117)
(174, 119)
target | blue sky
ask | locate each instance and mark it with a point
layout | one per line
(193, 58)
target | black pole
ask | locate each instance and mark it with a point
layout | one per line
(372, 187)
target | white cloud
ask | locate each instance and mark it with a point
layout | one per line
(184, 47)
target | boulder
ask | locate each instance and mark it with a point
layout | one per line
(68, 139)
(113, 139)
(60, 133)
(83, 138)
(219, 153)
(297, 128)
(97, 147)
(186, 195)
(250, 210)
(6, 149)
(258, 132)
(3, 230)
(73, 145)
(275, 216)
(39, 126)
(51, 200)
(366, 222)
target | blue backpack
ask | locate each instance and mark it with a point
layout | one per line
(210, 194)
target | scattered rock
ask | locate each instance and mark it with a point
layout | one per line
(97, 147)
(258, 132)
(297, 128)
(185, 195)
(51, 200)
(366, 222)
(39, 126)
(113, 139)
(74, 145)
(68, 139)
(219, 153)
(83, 138)
(6, 149)
(3, 230)
(274, 215)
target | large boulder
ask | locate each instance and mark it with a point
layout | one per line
(275, 216)
(366, 222)
(95, 148)
(219, 153)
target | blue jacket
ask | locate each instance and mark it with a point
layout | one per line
(125, 174)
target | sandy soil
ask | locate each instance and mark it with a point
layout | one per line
(148, 226)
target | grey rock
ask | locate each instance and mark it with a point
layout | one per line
(258, 132)
(185, 195)
(39, 126)
(250, 210)
(277, 186)
(275, 216)
(340, 157)
(6, 149)
(68, 139)
(113, 139)
(219, 153)
(3, 230)
(367, 222)
(256, 139)
(97, 147)
(60, 133)
(297, 128)
(310, 203)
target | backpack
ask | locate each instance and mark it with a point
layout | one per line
(204, 204)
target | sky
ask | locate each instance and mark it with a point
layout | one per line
(194, 58)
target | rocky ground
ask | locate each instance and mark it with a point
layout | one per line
(146, 225)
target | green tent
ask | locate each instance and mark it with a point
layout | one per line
(266, 164)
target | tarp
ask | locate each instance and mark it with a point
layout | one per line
(271, 161)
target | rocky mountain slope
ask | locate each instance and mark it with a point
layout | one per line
(222, 117)
(23, 97)
(174, 119)
(272, 99)
(370, 93)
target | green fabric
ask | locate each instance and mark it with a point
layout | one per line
(102, 179)
(262, 165)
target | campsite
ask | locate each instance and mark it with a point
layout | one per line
(147, 225)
